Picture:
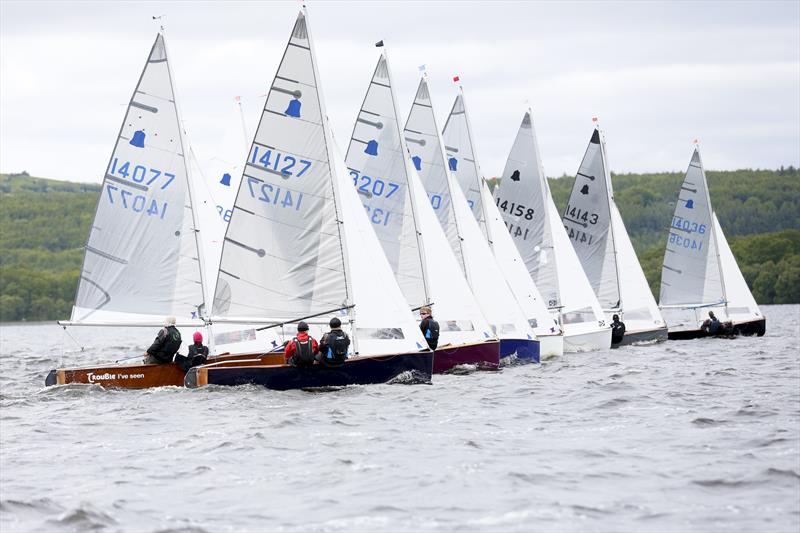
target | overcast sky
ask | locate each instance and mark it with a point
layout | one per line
(657, 74)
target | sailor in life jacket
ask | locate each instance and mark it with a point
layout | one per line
(198, 354)
(300, 351)
(166, 345)
(334, 344)
(617, 330)
(429, 327)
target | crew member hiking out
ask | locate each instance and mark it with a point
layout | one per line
(166, 345)
(617, 330)
(429, 327)
(300, 351)
(333, 346)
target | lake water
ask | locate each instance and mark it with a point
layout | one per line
(697, 435)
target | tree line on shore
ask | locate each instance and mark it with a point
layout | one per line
(44, 225)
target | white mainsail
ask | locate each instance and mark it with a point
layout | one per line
(487, 279)
(598, 234)
(298, 245)
(699, 272)
(461, 159)
(142, 260)
(527, 207)
(404, 221)
(426, 149)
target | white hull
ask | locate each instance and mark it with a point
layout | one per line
(587, 341)
(551, 345)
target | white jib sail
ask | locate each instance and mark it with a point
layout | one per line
(741, 307)
(461, 158)
(639, 308)
(420, 239)
(142, 261)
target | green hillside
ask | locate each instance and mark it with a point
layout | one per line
(44, 225)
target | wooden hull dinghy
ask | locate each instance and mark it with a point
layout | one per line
(142, 376)
(416, 367)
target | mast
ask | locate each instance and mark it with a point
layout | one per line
(334, 184)
(190, 188)
(610, 200)
(714, 230)
(443, 155)
(477, 166)
(406, 162)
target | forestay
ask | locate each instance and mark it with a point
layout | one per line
(426, 245)
(282, 256)
(587, 219)
(461, 159)
(141, 260)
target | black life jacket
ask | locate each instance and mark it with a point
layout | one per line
(431, 332)
(336, 352)
(303, 352)
(170, 345)
(617, 332)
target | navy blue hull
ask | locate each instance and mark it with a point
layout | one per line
(520, 350)
(357, 371)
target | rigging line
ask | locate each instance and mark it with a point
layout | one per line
(281, 324)
(73, 340)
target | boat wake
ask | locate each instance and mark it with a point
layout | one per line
(410, 377)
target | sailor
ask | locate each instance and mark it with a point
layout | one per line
(300, 351)
(166, 345)
(198, 354)
(334, 344)
(712, 324)
(617, 330)
(429, 327)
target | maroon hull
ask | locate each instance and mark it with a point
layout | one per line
(485, 355)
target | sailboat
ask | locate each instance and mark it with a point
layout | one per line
(143, 257)
(527, 207)
(462, 164)
(466, 239)
(700, 273)
(598, 235)
(299, 246)
(410, 235)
